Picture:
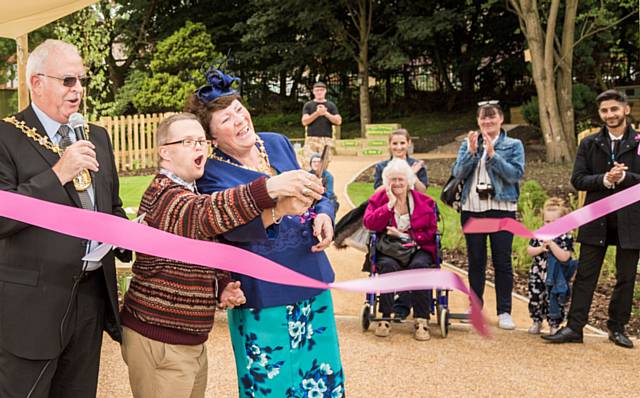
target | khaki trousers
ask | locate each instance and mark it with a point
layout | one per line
(160, 370)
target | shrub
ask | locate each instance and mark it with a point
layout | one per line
(175, 69)
(284, 123)
(533, 193)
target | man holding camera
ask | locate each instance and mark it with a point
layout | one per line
(319, 116)
(491, 166)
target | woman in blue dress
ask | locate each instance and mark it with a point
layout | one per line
(284, 338)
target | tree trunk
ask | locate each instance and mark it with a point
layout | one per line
(542, 66)
(283, 84)
(363, 81)
(388, 89)
(297, 76)
(406, 80)
(364, 19)
(565, 76)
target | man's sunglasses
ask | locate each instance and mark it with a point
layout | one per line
(491, 102)
(69, 81)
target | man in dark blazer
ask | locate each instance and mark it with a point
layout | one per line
(53, 306)
(606, 163)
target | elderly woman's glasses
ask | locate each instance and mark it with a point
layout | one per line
(69, 81)
(491, 102)
(190, 143)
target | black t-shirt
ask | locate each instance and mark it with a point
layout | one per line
(321, 127)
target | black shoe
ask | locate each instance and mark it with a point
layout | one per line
(620, 339)
(564, 335)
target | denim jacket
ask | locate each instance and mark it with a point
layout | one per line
(505, 168)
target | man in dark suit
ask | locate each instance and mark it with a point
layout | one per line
(53, 306)
(606, 163)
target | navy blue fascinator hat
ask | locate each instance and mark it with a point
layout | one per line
(218, 85)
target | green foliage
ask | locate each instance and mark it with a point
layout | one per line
(184, 51)
(531, 218)
(7, 49)
(421, 124)
(176, 69)
(123, 102)
(533, 195)
(530, 111)
(583, 98)
(162, 92)
(90, 33)
(284, 123)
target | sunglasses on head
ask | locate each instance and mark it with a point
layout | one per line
(69, 81)
(490, 102)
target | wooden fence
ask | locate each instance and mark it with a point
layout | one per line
(134, 140)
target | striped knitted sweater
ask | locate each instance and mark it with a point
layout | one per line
(174, 302)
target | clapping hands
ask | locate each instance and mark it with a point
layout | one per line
(616, 173)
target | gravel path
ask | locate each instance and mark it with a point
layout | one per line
(464, 364)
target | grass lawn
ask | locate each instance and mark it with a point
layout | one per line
(131, 190)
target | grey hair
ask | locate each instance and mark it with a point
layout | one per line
(38, 57)
(399, 166)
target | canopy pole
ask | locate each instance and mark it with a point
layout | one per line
(22, 49)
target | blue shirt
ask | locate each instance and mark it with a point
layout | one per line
(288, 243)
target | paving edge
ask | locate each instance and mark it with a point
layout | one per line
(353, 179)
(593, 329)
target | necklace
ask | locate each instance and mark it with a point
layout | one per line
(264, 167)
(83, 180)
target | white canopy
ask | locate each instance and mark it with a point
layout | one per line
(19, 17)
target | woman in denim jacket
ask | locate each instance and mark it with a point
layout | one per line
(491, 165)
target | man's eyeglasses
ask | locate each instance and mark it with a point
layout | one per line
(69, 81)
(491, 102)
(189, 143)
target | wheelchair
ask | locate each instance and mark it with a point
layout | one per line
(438, 300)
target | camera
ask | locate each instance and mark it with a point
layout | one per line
(484, 190)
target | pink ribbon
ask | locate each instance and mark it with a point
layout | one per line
(120, 232)
(562, 225)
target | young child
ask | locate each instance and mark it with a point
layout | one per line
(556, 251)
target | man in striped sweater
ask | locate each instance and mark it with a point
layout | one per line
(169, 308)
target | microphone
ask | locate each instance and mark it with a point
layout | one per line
(76, 121)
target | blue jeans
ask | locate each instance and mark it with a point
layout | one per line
(501, 243)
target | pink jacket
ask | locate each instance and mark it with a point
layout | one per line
(423, 218)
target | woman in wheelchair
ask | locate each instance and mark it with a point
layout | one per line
(405, 221)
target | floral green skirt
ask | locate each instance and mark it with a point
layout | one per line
(289, 351)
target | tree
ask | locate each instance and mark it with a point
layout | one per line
(468, 46)
(550, 30)
(360, 14)
(176, 69)
(87, 30)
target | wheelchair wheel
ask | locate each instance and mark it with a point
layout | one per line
(366, 317)
(443, 321)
